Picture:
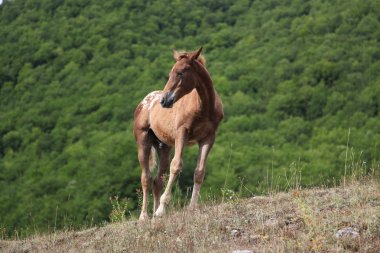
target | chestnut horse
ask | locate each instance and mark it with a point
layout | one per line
(186, 112)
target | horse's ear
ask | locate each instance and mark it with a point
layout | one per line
(176, 55)
(196, 54)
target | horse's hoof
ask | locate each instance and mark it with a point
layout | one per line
(144, 217)
(159, 212)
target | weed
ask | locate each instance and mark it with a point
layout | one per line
(119, 209)
(228, 195)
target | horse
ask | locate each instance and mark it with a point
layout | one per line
(187, 111)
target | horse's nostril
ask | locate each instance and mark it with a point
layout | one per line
(167, 100)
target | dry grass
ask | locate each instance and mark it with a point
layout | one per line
(297, 221)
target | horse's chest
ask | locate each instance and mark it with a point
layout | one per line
(167, 127)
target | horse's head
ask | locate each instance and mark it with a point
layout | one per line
(182, 77)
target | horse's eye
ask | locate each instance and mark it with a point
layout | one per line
(179, 74)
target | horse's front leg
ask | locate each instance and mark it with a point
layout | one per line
(199, 173)
(175, 169)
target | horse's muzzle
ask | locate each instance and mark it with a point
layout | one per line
(167, 100)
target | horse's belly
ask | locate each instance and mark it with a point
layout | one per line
(167, 135)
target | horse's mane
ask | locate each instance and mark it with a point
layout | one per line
(182, 54)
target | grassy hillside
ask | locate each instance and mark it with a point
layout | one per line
(299, 81)
(342, 219)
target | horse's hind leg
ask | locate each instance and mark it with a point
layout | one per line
(144, 143)
(163, 152)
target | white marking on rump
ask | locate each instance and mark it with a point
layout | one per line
(151, 99)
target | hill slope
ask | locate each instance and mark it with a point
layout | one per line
(336, 219)
(299, 81)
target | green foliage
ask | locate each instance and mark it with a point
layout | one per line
(294, 77)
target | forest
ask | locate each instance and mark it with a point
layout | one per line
(299, 80)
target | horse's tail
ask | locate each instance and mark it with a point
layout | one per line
(152, 159)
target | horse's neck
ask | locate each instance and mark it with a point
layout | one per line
(206, 91)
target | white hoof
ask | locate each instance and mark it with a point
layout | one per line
(160, 211)
(144, 217)
(192, 207)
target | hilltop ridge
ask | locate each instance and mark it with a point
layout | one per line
(341, 219)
